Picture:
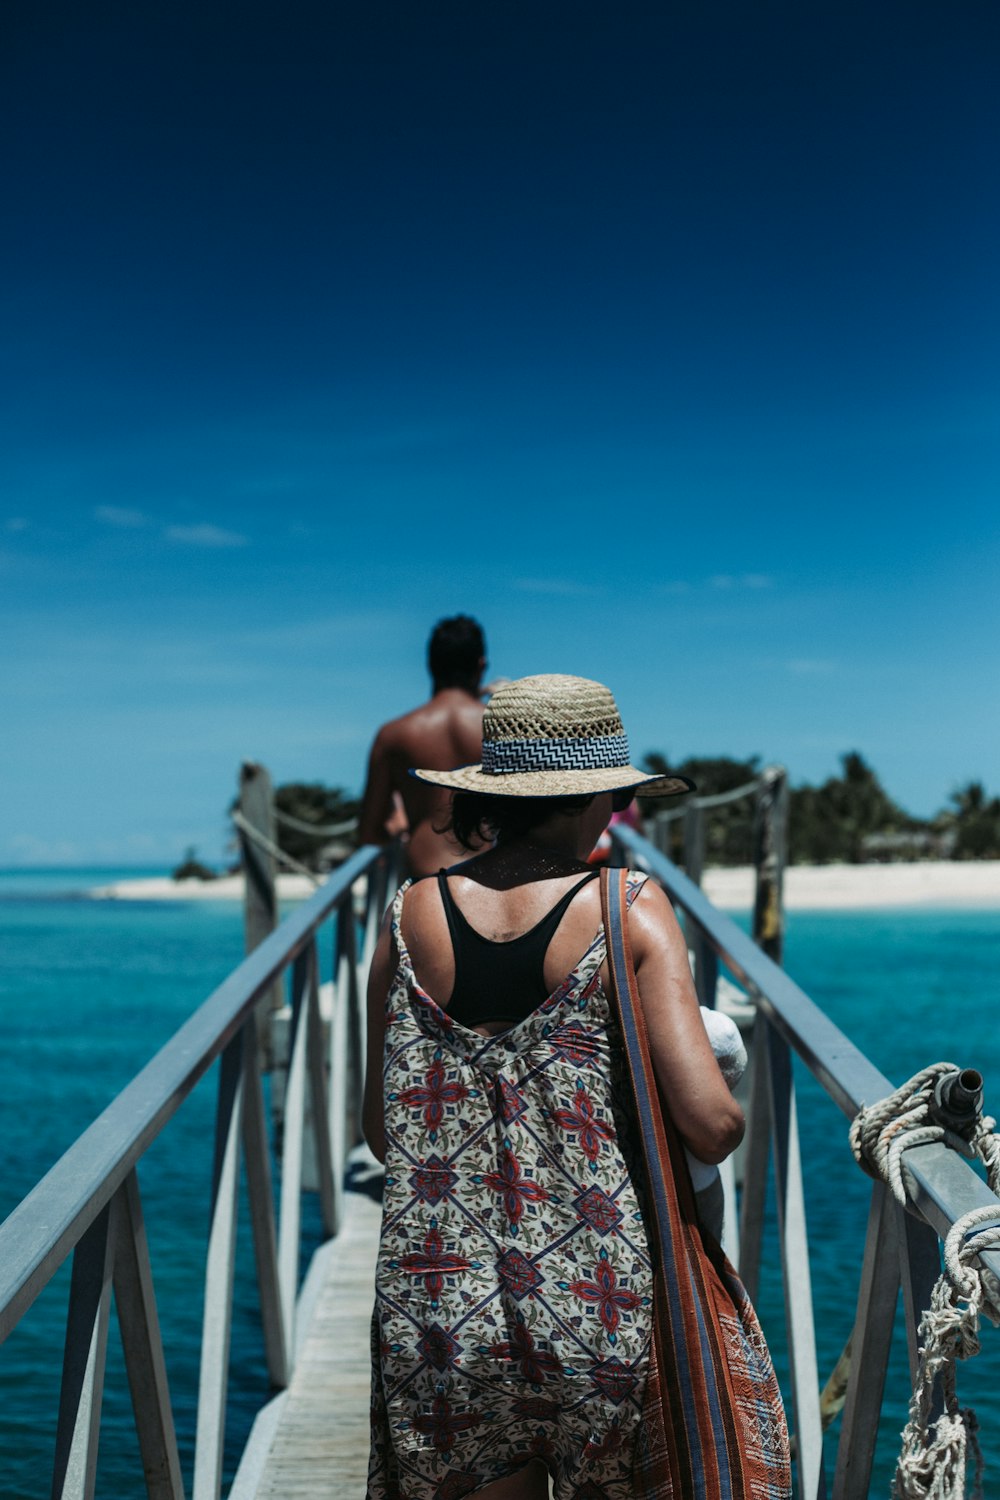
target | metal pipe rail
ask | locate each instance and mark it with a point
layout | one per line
(89, 1202)
(901, 1248)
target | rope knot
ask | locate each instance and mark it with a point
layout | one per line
(940, 1103)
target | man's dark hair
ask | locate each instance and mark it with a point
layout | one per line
(455, 652)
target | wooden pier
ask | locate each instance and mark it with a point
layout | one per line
(319, 1442)
(311, 1439)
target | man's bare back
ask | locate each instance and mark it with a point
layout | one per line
(445, 733)
(442, 734)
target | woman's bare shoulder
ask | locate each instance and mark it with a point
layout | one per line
(651, 918)
(421, 899)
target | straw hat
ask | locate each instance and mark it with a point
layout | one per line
(554, 736)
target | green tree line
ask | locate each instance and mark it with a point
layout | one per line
(850, 817)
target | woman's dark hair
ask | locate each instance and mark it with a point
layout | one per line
(480, 817)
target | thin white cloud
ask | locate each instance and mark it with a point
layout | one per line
(205, 535)
(557, 587)
(721, 583)
(15, 524)
(121, 515)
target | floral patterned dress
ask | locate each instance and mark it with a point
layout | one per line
(514, 1285)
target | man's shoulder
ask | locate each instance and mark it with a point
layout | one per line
(395, 731)
(440, 727)
(430, 715)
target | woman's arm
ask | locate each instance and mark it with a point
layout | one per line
(383, 967)
(707, 1116)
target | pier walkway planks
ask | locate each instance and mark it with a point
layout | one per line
(320, 1446)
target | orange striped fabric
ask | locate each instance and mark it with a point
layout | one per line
(714, 1425)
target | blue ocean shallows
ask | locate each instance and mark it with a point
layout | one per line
(90, 990)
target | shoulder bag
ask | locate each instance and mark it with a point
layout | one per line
(714, 1425)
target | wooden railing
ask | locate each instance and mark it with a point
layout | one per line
(89, 1205)
(901, 1248)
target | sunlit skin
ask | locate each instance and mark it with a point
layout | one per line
(504, 892)
(445, 732)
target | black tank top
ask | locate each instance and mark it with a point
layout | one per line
(502, 981)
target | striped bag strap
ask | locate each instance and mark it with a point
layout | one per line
(655, 1145)
(702, 1428)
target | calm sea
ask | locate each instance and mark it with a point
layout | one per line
(90, 989)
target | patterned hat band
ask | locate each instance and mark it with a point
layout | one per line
(598, 753)
(553, 736)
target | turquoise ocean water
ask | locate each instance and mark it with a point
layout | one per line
(89, 990)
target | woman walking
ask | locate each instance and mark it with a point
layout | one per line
(521, 1295)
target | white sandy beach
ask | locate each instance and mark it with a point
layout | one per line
(936, 883)
(860, 887)
(226, 888)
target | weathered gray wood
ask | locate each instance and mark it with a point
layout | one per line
(82, 1391)
(58, 1214)
(320, 1447)
(220, 1260)
(291, 1148)
(355, 979)
(731, 1219)
(769, 857)
(260, 1196)
(135, 1300)
(756, 1153)
(319, 1111)
(794, 1242)
(260, 896)
(380, 878)
(339, 1089)
(694, 842)
(260, 900)
(870, 1347)
(919, 1267)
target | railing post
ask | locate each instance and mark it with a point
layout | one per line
(318, 1103)
(919, 1267)
(694, 842)
(375, 899)
(756, 1156)
(145, 1366)
(870, 1346)
(289, 1218)
(220, 1261)
(79, 1425)
(260, 900)
(706, 965)
(769, 857)
(355, 1039)
(794, 1242)
(260, 1195)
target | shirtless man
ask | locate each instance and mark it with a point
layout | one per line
(441, 734)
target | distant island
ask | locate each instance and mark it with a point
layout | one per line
(849, 819)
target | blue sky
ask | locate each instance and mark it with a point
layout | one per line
(663, 339)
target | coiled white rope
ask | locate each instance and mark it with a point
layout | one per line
(933, 1460)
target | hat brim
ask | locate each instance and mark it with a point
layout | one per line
(557, 783)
